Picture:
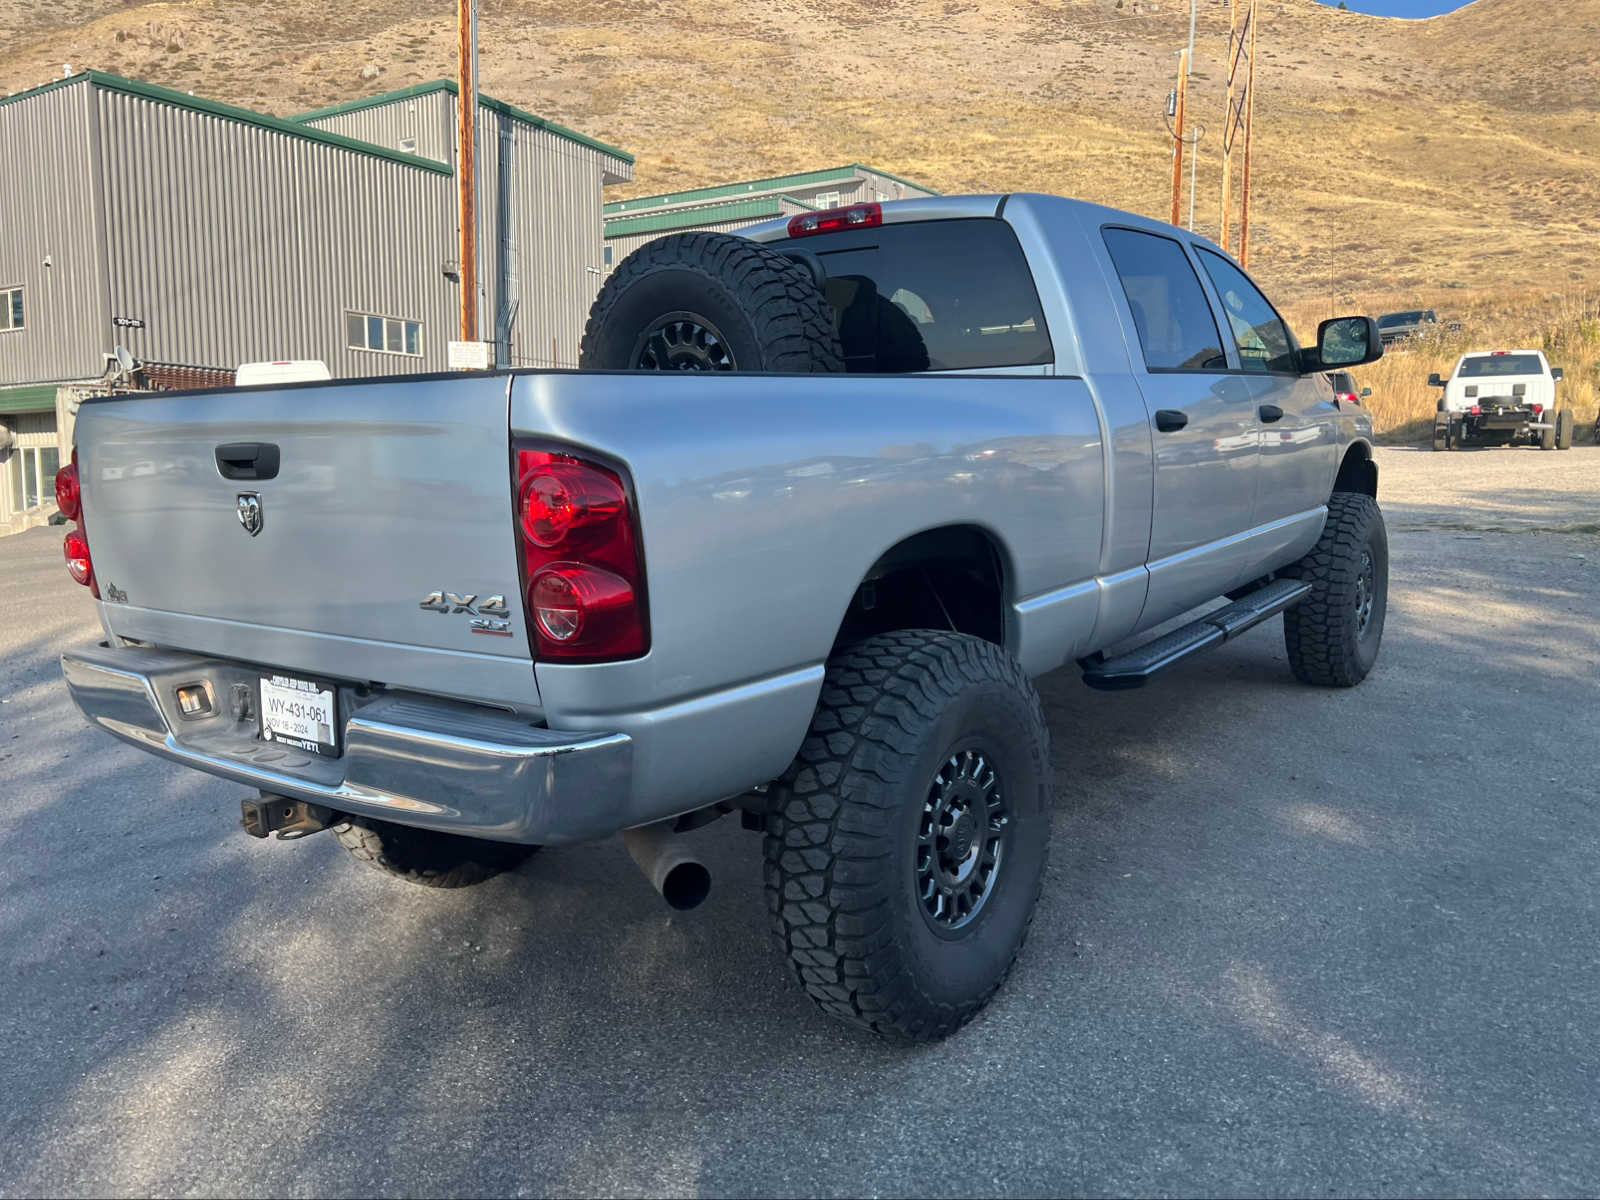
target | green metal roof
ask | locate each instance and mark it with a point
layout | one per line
(228, 112)
(33, 398)
(777, 182)
(489, 102)
(685, 218)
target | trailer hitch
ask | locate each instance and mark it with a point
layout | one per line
(288, 818)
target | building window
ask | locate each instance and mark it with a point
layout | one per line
(827, 200)
(609, 255)
(10, 309)
(386, 335)
(33, 477)
(408, 145)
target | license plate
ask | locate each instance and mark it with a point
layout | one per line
(300, 713)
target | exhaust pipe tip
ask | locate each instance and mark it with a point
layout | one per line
(673, 869)
(686, 886)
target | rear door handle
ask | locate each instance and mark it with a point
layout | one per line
(1270, 413)
(248, 460)
(1170, 420)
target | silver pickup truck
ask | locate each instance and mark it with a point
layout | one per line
(896, 461)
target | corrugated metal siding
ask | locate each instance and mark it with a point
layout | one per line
(547, 253)
(46, 201)
(623, 246)
(234, 243)
(426, 117)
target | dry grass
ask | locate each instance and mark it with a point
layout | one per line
(1566, 326)
(1456, 155)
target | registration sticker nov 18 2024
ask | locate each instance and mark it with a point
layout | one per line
(299, 713)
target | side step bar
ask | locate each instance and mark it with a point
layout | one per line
(1135, 668)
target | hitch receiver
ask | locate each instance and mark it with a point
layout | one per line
(288, 818)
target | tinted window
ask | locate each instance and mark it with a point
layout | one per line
(1262, 337)
(1170, 310)
(1391, 320)
(932, 296)
(1491, 365)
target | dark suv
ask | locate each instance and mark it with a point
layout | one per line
(1400, 326)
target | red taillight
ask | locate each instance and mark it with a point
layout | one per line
(67, 498)
(831, 220)
(581, 567)
(75, 548)
(561, 498)
(1538, 410)
(1477, 410)
(1348, 398)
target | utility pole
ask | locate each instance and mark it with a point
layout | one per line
(1240, 107)
(1194, 159)
(467, 161)
(1249, 130)
(1180, 97)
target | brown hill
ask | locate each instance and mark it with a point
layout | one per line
(1392, 156)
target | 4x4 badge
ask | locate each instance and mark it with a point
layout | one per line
(250, 512)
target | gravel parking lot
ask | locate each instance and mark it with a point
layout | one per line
(1292, 941)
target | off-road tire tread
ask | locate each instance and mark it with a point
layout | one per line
(1314, 630)
(431, 860)
(792, 320)
(827, 898)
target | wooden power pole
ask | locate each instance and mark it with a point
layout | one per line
(1177, 138)
(1249, 129)
(1241, 106)
(467, 162)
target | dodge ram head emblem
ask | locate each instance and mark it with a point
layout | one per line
(250, 512)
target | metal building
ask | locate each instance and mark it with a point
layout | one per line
(198, 235)
(629, 224)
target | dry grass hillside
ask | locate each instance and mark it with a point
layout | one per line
(1394, 158)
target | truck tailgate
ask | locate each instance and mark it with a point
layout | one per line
(384, 493)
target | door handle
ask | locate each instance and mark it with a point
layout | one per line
(1170, 420)
(1270, 413)
(248, 460)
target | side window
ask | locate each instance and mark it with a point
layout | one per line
(1176, 326)
(1263, 339)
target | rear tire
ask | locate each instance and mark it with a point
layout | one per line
(1333, 635)
(1547, 436)
(906, 844)
(1441, 436)
(710, 302)
(421, 856)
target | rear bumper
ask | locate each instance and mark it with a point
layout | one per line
(417, 760)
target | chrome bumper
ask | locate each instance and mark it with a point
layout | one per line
(421, 761)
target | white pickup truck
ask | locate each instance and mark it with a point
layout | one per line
(1501, 398)
(893, 462)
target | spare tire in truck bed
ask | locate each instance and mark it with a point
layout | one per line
(710, 302)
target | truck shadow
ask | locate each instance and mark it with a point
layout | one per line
(1238, 941)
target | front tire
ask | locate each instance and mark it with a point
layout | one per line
(1333, 635)
(906, 844)
(421, 856)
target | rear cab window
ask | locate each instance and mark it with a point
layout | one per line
(952, 295)
(1499, 366)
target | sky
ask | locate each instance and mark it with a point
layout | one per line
(1401, 8)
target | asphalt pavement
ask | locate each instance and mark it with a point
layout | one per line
(1292, 942)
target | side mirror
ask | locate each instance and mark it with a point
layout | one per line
(1365, 393)
(1434, 380)
(1557, 374)
(1348, 342)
